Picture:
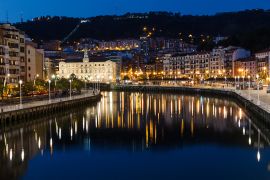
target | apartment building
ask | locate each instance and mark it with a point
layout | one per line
(217, 63)
(246, 67)
(34, 61)
(263, 59)
(14, 42)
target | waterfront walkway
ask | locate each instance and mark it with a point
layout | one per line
(10, 108)
(259, 98)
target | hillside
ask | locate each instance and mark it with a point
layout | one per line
(250, 29)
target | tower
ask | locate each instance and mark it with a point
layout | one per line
(85, 57)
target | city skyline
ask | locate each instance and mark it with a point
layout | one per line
(13, 10)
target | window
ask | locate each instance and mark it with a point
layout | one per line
(28, 59)
(22, 49)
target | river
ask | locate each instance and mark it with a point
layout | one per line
(139, 136)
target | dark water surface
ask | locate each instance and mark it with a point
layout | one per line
(139, 136)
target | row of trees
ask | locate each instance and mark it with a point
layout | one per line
(40, 86)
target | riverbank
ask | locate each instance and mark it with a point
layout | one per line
(261, 111)
(12, 114)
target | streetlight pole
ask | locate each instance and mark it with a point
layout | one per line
(243, 82)
(49, 91)
(239, 82)
(235, 82)
(54, 77)
(70, 81)
(258, 88)
(6, 78)
(20, 82)
(85, 84)
(35, 83)
(249, 84)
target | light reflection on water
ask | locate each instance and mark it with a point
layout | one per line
(171, 126)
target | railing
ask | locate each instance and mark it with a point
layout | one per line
(244, 93)
(46, 102)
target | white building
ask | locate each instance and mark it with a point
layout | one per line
(102, 70)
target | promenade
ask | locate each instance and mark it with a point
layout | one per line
(259, 98)
(32, 104)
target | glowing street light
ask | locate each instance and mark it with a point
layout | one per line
(20, 82)
(249, 84)
(258, 88)
(70, 81)
(49, 91)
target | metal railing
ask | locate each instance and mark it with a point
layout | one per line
(15, 107)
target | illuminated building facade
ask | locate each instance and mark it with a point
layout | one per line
(246, 67)
(217, 63)
(263, 58)
(4, 63)
(14, 40)
(101, 70)
(120, 45)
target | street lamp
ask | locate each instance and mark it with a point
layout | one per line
(34, 85)
(49, 91)
(243, 82)
(6, 77)
(238, 81)
(85, 83)
(249, 84)
(36, 76)
(54, 77)
(70, 81)
(20, 82)
(235, 82)
(258, 88)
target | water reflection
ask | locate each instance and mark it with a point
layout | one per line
(134, 122)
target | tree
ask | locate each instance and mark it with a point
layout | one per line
(77, 84)
(62, 84)
(27, 87)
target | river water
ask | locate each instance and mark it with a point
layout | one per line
(139, 136)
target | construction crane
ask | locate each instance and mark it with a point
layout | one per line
(74, 31)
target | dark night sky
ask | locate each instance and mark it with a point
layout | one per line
(88, 8)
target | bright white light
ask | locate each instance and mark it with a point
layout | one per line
(39, 143)
(51, 142)
(249, 140)
(60, 133)
(258, 156)
(71, 133)
(10, 154)
(22, 155)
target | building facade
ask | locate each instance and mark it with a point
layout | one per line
(34, 61)
(102, 70)
(263, 59)
(246, 67)
(14, 42)
(217, 63)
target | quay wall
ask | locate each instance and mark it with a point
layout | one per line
(25, 114)
(251, 108)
